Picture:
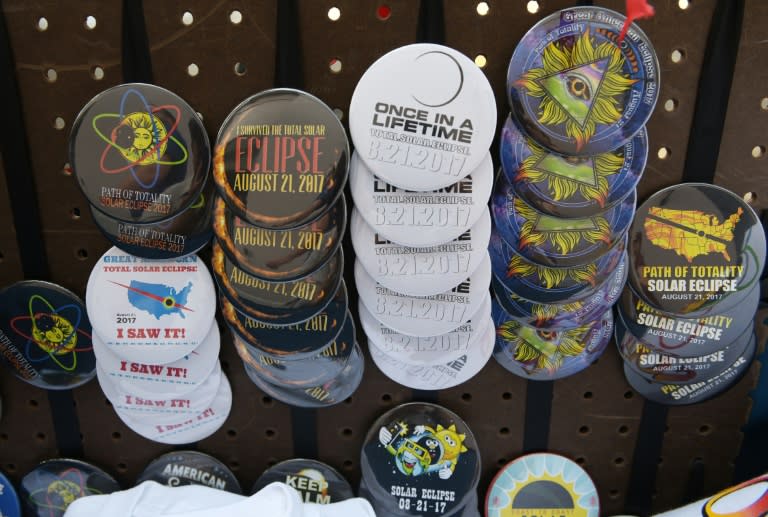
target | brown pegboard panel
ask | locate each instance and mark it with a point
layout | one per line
(355, 40)
(214, 44)
(10, 263)
(741, 165)
(595, 416)
(709, 433)
(26, 429)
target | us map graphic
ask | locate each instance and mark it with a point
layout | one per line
(158, 300)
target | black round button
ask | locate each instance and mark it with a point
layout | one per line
(181, 468)
(282, 157)
(140, 153)
(317, 482)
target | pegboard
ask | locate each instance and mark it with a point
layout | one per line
(215, 54)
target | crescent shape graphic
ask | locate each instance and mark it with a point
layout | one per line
(461, 79)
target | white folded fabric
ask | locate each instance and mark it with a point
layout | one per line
(151, 499)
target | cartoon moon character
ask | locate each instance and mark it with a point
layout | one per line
(424, 451)
(54, 333)
(136, 136)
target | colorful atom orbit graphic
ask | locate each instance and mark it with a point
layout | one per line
(60, 493)
(51, 333)
(139, 138)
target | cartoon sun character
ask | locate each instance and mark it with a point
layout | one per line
(538, 349)
(66, 490)
(580, 85)
(141, 138)
(54, 333)
(453, 446)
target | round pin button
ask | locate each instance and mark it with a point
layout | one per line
(187, 429)
(548, 354)
(280, 255)
(46, 335)
(686, 337)
(444, 375)
(317, 482)
(427, 315)
(150, 311)
(693, 392)
(49, 489)
(9, 499)
(140, 153)
(571, 186)
(290, 342)
(161, 409)
(281, 159)
(563, 315)
(556, 242)
(313, 371)
(418, 449)
(534, 484)
(432, 350)
(577, 91)
(182, 235)
(696, 249)
(550, 285)
(420, 219)
(420, 271)
(659, 366)
(327, 394)
(182, 468)
(423, 116)
(277, 303)
(161, 380)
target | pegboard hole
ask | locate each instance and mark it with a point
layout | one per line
(346, 432)
(97, 73)
(193, 70)
(758, 151)
(623, 429)
(618, 461)
(74, 213)
(581, 460)
(267, 401)
(40, 437)
(670, 105)
(234, 465)
(122, 467)
(663, 153)
(3, 437)
(584, 429)
(660, 461)
(42, 24)
(629, 394)
(705, 429)
(339, 113)
(10, 467)
(335, 65)
(270, 433)
(532, 7)
(33, 403)
(51, 75)
(59, 123)
(383, 12)
(236, 17)
(2, 257)
(187, 18)
(90, 22)
(347, 465)
(506, 395)
(482, 8)
(677, 55)
(588, 395)
(231, 433)
(81, 254)
(683, 4)
(613, 494)
(240, 69)
(481, 60)
(116, 436)
(466, 397)
(386, 398)
(750, 197)
(504, 431)
(502, 461)
(334, 13)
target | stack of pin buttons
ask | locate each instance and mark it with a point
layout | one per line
(572, 150)
(156, 343)
(422, 119)
(281, 163)
(420, 460)
(141, 157)
(685, 321)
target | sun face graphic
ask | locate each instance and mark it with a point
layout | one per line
(136, 136)
(54, 333)
(551, 277)
(566, 176)
(540, 349)
(580, 85)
